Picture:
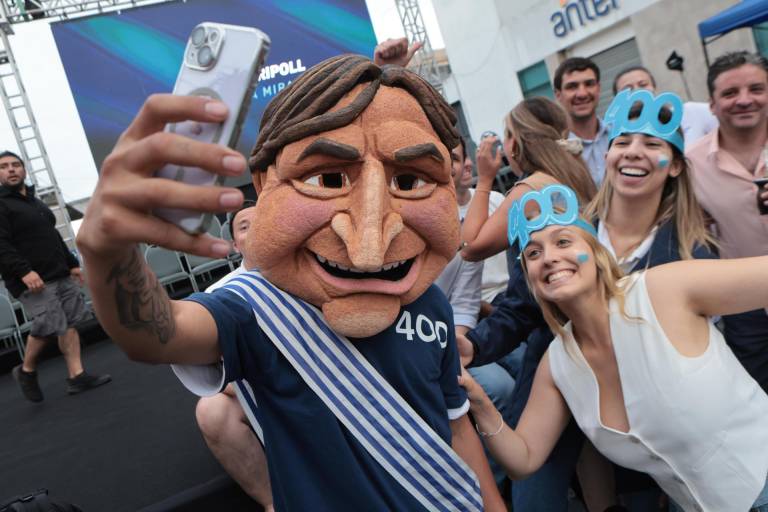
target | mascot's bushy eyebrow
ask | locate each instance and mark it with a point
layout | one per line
(323, 146)
(418, 151)
(302, 108)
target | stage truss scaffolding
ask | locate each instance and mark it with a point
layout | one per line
(424, 62)
(16, 101)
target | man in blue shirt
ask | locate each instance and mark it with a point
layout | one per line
(348, 347)
(577, 89)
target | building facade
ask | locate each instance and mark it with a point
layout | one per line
(501, 51)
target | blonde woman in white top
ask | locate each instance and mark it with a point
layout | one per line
(637, 362)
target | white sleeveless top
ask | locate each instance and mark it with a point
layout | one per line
(698, 425)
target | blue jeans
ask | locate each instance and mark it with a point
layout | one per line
(546, 490)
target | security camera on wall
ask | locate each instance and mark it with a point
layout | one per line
(675, 62)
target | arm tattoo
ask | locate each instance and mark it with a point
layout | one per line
(142, 303)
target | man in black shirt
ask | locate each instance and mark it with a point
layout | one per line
(40, 271)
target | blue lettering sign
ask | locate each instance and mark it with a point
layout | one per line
(585, 7)
(561, 27)
(601, 9)
(578, 13)
(569, 10)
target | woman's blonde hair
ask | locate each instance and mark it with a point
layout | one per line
(608, 276)
(537, 124)
(678, 204)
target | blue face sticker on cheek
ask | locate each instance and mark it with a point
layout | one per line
(582, 257)
(663, 161)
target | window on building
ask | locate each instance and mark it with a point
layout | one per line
(760, 32)
(534, 81)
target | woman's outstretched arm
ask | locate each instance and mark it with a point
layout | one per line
(711, 287)
(524, 450)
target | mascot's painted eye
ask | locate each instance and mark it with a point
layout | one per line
(406, 182)
(328, 180)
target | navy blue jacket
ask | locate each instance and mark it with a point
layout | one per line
(29, 241)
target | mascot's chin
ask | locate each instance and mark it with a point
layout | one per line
(348, 318)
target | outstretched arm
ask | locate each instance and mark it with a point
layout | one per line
(524, 450)
(129, 301)
(711, 287)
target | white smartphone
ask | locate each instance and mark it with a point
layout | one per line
(221, 62)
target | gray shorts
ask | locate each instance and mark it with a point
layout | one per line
(57, 307)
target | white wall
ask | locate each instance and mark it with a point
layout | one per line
(479, 54)
(669, 26)
(488, 41)
(54, 109)
(529, 25)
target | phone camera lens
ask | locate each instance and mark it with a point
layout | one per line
(205, 56)
(198, 36)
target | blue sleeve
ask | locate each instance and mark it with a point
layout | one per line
(510, 323)
(235, 324)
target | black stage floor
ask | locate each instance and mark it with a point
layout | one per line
(128, 445)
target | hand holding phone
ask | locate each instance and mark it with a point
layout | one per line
(497, 146)
(221, 62)
(117, 218)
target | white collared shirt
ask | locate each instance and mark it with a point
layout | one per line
(627, 263)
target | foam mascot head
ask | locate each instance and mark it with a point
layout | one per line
(357, 211)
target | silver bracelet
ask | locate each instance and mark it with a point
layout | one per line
(491, 434)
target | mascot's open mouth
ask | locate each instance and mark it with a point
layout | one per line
(394, 271)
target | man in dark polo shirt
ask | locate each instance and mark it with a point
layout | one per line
(40, 271)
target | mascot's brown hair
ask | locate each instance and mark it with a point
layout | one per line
(356, 209)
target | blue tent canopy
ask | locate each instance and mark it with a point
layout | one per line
(743, 14)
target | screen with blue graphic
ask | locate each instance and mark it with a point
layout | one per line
(114, 61)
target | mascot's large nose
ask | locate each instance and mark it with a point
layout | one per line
(370, 225)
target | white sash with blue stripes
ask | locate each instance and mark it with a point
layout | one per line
(366, 404)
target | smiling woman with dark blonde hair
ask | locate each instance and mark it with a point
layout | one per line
(639, 365)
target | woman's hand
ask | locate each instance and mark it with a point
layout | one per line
(479, 403)
(488, 165)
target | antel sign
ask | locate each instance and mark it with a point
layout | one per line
(577, 13)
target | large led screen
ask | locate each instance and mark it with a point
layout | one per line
(114, 61)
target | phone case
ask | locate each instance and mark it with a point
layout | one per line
(231, 79)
